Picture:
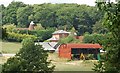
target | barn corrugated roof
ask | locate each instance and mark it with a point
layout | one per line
(71, 45)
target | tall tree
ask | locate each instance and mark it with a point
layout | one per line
(111, 60)
(10, 15)
(24, 15)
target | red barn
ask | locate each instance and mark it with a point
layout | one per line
(67, 50)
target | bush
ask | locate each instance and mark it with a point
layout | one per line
(20, 31)
(41, 35)
(69, 39)
(95, 38)
(31, 57)
(9, 27)
(19, 37)
(3, 33)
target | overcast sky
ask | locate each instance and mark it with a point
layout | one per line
(88, 2)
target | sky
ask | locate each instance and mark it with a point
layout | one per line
(88, 2)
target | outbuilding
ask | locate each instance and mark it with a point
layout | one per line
(79, 51)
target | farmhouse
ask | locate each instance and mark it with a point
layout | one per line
(58, 34)
(79, 51)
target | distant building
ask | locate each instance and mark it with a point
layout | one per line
(31, 27)
(48, 46)
(58, 34)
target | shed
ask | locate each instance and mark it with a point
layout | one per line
(67, 50)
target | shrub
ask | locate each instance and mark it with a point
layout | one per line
(95, 38)
(9, 27)
(41, 35)
(69, 39)
(19, 37)
(3, 33)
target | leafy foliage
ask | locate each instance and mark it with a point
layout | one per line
(23, 14)
(3, 33)
(41, 35)
(81, 17)
(19, 37)
(9, 12)
(111, 60)
(95, 38)
(9, 27)
(30, 58)
(99, 28)
(69, 39)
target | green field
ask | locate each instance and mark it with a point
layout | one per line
(10, 47)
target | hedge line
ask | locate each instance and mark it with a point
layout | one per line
(41, 35)
(19, 37)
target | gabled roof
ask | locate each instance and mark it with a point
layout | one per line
(47, 45)
(53, 44)
(71, 45)
(60, 32)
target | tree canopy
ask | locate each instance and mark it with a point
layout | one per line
(81, 17)
(110, 62)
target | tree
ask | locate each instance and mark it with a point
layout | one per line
(99, 28)
(9, 13)
(31, 57)
(24, 16)
(111, 60)
(69, 39)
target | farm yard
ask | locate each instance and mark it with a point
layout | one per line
(61, 64)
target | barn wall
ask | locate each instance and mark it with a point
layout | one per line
(64, 52)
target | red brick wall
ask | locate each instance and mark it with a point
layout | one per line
(64, 52)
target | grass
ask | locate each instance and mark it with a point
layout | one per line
(66, 65)
(10, 47)
(62, 64)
